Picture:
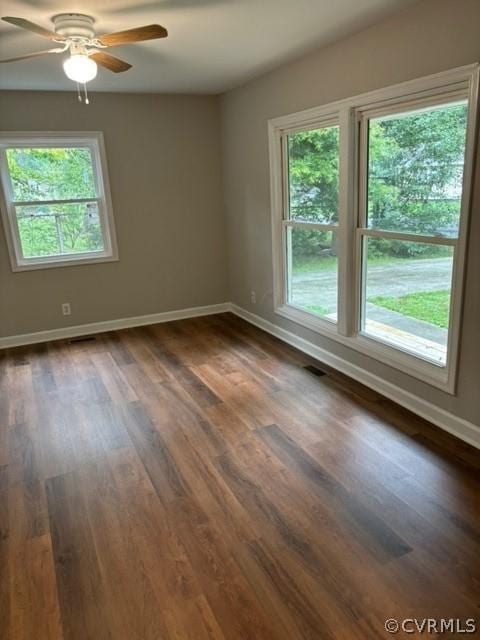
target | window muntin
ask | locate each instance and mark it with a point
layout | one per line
(311, 218)
(414, 182)
(57, 200)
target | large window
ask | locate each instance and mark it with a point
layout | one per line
(370, 199)
(57, 207)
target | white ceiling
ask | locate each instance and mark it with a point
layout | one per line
(213, 45)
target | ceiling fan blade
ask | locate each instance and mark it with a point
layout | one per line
(149, 32)
(37, 54)
(110, 62)
(31, 26)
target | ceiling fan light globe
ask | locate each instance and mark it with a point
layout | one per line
(80, 68)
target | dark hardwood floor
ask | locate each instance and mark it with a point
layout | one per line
(197, 480)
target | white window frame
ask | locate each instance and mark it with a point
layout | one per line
(92, 140)
(464, 82)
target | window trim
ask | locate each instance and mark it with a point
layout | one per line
(349, 112)
(89, 139)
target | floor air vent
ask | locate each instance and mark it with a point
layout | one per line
(315, 370)
(83, 339)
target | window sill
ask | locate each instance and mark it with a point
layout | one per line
(53, 263)
(441, 377)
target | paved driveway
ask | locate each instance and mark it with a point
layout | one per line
(396, 279)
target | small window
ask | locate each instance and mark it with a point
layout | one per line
(57, 203)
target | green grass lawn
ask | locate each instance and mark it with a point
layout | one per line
(430, 306)
(314, 264)
(320, 311)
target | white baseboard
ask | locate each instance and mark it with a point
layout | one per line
(463, 429)
(110, 325)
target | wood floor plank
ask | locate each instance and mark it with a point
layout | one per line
(27, 502)
(185, 376)
(17, 404)
(53, 434)
(161, 560)
(117, 348)
(291, 602)
(114, 380)
(235, 606)
(35, 609)
(43, 377)
(62, 364)
(210, 623)
(279, 526)
(404, 503)
(128, 591)
(4, 455)
(366, 523)
(7, 599)
(210, 490)
(155, 455)
(4, 517)
(81, 592)
(137, 344)
(328, 545)
(195, 480)
(423, 464)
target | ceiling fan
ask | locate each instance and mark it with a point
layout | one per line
(75, 34)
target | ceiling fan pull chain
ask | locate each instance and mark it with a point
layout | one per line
(87, 101)
(78, 92)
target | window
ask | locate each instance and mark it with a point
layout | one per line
(311, 220)
(57, 208)
(370, 200)
(409, 224)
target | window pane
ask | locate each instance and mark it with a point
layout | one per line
(51, 230)
(313, 175)
(415, 170)
(51, 174)
(313, 271)
(407, 295)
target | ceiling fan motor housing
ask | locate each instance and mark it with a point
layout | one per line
(74, 25)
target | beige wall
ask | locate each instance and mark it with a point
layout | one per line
(163, 155)
(428, 37)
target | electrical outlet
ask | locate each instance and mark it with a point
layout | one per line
(253, 297)
(66, 309)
